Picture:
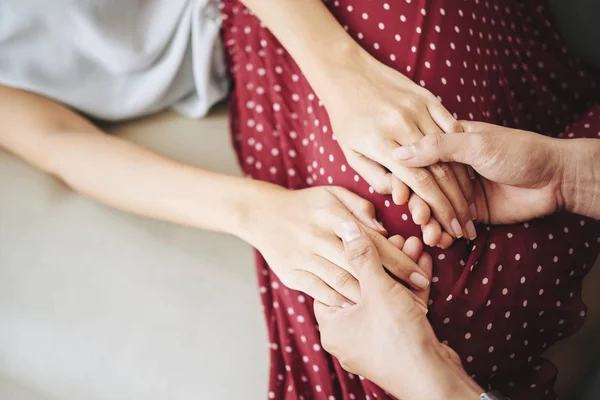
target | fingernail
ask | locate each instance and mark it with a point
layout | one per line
(419, 280)
(404, 152)
(456, 228)
(378, 225)
(350, 231)
(345, 305)
(473, 210)
(471, 232)
(471, 172)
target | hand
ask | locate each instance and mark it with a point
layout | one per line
(386, 337)
(372, 109)
(522, 170)
(297, 232)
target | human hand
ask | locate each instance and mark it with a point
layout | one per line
(372, 109)
(297, 232)
(386, 337)
(522, 170)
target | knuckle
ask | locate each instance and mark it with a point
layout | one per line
(361, 253)
(434, 140)
(423, 178)
(414, 103)
(442, 171)
(456, 127)
(367, 207)
(463, 210)
(342, 279)
(381, 188)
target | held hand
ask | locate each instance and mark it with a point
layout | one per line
(374, 108)
(298, 234)
(522, 170)
(386, 337)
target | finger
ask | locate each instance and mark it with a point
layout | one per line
(418, 209)
(337, 278)
(445, 241)
(424, 184)
(373, 173)
(413, 248)
(443, 118)
(426, 264)
(421, 182)
(464, 148)
(483, 211)
(432, 232)
(398, 263)
(397, 241)
(448, 183)
(463, 174)
(313, 286)
(466, 186)
(462, 224)
(362, 209)
(400, 192)
(361, 253)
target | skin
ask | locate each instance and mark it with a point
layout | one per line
(386, 337)
(120, 174)
(525, 175)
(381, 108)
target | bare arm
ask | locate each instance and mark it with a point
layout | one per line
(301, 26)
(128, 177)
(580, 184)
(114, 171)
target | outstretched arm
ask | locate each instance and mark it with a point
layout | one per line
(114, 171)
(123, 175)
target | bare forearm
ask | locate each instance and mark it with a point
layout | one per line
(581, 177)
(114, 171)
(437, 377)
(301, 27)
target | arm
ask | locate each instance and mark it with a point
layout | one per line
(117, 172)
(395, 347)
(527, 175)
(128, 177)
(301, 26)
(580, 180)
(362, 95)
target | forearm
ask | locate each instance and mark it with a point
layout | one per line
(114, 171)
(301, 27)
(580, 179)
(437, 377)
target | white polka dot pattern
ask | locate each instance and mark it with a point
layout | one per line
(499, 301)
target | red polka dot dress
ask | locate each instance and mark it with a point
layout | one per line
(500, 300)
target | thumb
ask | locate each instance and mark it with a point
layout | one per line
(435, 148)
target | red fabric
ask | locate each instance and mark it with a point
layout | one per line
(498, 301)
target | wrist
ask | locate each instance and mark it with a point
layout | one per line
(333, 70)
(437, 374)
(578, 180)
(251, 208)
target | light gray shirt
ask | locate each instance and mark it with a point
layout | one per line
(115, 59)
